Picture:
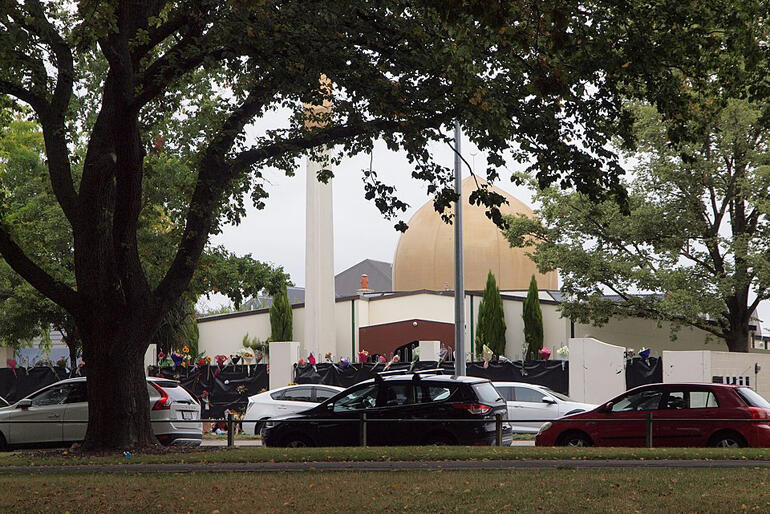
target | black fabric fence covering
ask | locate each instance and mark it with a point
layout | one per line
(553, 374)
(643, 371)
(14, 387)
(219, 389)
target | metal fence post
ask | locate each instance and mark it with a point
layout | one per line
(499, 429)
(230, 438)
(362, 429)
(648, 438)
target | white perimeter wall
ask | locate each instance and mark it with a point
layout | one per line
(702, 366)
(596, 370)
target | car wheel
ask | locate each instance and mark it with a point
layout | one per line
(574, 438)
(440, 439)
(259, 425)
(728, 440)
(297, 441)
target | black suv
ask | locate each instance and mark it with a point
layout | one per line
(404, 397)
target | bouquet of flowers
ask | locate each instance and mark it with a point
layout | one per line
(394, 360)
(644, 353)
(415, 358)
(328, 357)
(486, 355)
(248, 358)
(380, 360)
(344, 363)
(563, 352)
(12, 364)
(177, 358)
(544, 353)
(363, 356)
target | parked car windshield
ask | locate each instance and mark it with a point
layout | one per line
(753, 398)
(562, 397)
(642, 400)
(363, 398)
(487, 393)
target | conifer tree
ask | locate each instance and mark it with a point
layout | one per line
(281, 316)
(533, 321)
(491, 321)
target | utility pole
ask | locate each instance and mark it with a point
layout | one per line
(459, 262)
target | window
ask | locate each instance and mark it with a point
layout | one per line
(486, 393)
(78, 394)
(751, 398)
(362, 398)
(528, 394)
(643, 400)
(433, 393)
(321, 395)
(506, 393)
(53, 396)
(299, 394)
(397, 394)
(702, 400)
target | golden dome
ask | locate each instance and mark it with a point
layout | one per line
(425, 253)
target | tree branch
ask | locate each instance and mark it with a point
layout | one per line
(57, 291)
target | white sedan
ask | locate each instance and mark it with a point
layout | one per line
(531, 401)
(64, 405)
(284, 401)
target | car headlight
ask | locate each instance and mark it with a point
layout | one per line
(545, 427)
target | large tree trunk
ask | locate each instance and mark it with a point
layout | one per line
(119, 406)
(738, 339)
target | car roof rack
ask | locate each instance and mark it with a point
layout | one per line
(382, 374)
(434, 371)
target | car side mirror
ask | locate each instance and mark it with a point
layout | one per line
(330, 406)
(549, 401)
(607, 407)
(26, 403)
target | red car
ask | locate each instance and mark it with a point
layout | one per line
(674, 404)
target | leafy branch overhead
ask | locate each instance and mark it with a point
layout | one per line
(694, 249)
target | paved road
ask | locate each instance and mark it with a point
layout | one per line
(261, 467)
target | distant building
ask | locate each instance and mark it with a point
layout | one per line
(382, 309)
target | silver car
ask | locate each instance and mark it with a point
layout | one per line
(531, 401)
(3, 403)
(66, 400)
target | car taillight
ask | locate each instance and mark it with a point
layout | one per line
(164, 403)
(759, 413)
(473, 408)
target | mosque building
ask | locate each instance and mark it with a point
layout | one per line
(383, 309)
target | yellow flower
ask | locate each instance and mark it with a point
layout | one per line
(208, 360)
(185, 349)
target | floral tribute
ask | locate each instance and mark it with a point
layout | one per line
(544, 353)
(363, 356)
(12, 364)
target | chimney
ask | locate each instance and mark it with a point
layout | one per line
(364, 285)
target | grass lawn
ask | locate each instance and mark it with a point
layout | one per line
(629, 490)
(433, 453)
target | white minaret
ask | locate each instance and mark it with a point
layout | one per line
(319, 320)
